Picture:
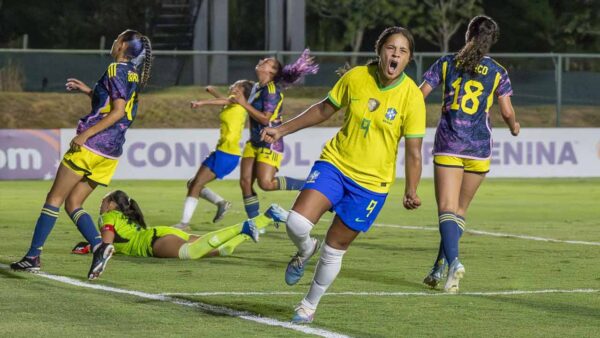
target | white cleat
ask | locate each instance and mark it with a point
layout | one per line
(303, 315)
(455, 274)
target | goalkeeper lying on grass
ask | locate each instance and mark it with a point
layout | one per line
(123, 227)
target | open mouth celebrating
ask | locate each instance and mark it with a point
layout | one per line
(392, 66)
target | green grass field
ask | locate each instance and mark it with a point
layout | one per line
(377, 294)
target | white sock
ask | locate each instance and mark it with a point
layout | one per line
(210, 196)
(298, 229)
(189, 206)
(327, 269)
(184, 251)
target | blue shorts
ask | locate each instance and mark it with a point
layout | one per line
(356, 206)
(221, 163)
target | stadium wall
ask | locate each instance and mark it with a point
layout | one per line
(177, 153)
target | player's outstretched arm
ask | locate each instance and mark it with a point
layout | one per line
(317, 113)
(77, 85)
(413, 166)
(508, 114)
(214, 92)
(210, 102)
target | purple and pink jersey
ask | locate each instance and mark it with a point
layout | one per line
(266, 99)
(120, 81)
(464, 129)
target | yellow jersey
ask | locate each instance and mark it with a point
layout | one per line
(232, 118)
(366, 147)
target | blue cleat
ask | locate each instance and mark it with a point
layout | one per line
(436, 274)
(303, 315)
(295, 268)
(249, 228)
(277, 214)
(455, 274)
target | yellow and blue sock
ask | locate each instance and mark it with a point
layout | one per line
(43, 227)
(86, 226)
(450, 231)
(441, 257)
(251, 205)
(289, 183)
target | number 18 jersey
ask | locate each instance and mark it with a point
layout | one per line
(464, 129)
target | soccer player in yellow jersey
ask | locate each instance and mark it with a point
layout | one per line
(358, 165)
(123, 225)
(93, 156)
(223, 160)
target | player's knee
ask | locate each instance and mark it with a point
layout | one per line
(447, 207)
(338, 243)
(298, 225)
(267, 184)
(54, 200)
(245, 182)
(331, 255)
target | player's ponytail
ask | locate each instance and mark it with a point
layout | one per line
(134, 213)
(139, 51)
(128, 207)
(147, 64)
(292, 73)
(482, 33)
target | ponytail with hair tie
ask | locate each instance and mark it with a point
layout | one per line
(292, 73)
(147, 61)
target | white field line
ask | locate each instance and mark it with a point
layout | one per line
(480, 232)
(384, 293)
(207, 308)
(494, 234)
